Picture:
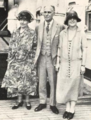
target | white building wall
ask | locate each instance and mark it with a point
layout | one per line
(29, 5)
(79, 2)
(61, 7)
(32, 5)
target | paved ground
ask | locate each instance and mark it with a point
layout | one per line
(83, 111)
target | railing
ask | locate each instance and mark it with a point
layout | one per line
(3, 31)
(3, 34)
(3, 24)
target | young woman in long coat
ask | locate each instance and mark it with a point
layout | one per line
(71, 63)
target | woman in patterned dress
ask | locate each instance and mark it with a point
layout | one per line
(71, 63)
(20, 76)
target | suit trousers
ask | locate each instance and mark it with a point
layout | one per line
(46, 67)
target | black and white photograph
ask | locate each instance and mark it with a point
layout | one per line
(45, 61)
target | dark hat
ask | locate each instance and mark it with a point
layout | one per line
(25, 15)
(70, 15)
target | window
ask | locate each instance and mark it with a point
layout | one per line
(88, 20)
(1, 3)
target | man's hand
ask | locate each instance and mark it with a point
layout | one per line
(82, 69)
(57, 67)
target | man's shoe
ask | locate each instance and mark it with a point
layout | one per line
(28, 106)
(17, 105)
(66, 114)
(40, 107)
(71, 115)
(54, 109)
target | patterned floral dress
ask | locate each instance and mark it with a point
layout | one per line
(20, 76)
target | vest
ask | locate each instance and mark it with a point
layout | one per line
(46, 42)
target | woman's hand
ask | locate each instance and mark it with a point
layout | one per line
(33, 66)
(82, 69)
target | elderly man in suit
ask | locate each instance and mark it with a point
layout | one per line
(46, 54)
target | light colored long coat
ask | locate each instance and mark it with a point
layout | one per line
(69, 77)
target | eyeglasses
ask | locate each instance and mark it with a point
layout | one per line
(49, 12)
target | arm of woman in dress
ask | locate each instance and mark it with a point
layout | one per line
(59, 52)
(34, 45)
(34, 48)
(84, 53)
(29, 37)
(12, 45)
(29, 46)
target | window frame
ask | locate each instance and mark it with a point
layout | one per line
(88, 13)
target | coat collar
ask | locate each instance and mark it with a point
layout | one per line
(51, 22)
(66, 29)
(54, 29)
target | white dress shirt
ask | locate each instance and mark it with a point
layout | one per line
(51, 22)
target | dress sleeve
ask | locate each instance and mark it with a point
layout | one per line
(12, 47)
(29, 40)
(84, 41)
(60, 45)
(34, 45)
(84, 49)
(34, 42)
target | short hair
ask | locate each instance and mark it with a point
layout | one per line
(53, 7)
(25, 15)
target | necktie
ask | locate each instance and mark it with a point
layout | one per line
(47, 27)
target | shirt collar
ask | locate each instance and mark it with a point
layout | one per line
(51, 22)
